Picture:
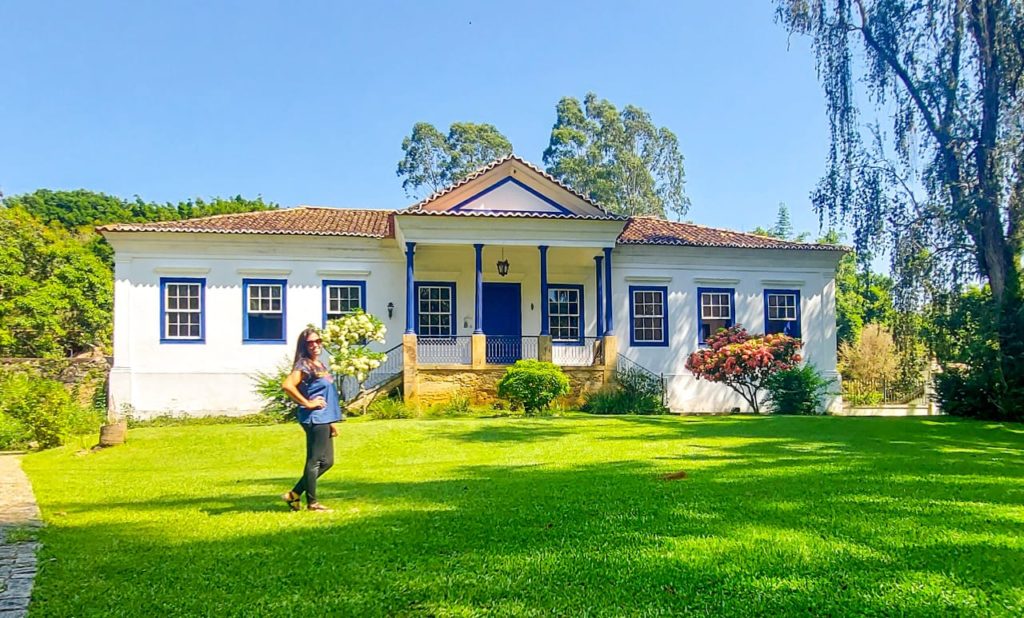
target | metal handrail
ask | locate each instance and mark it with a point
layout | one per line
(392, 366)
(626, 364)
(883, 391)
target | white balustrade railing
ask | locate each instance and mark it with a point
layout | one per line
(444, 350)
(576, 355)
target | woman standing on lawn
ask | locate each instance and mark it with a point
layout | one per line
(311, 385)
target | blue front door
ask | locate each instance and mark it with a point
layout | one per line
(503, 323)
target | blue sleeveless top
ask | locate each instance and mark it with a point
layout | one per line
(317, 381)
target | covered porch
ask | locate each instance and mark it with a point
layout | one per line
(472, 309)
(480, 306)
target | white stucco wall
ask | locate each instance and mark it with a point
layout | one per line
(749, 272)
(215, 377)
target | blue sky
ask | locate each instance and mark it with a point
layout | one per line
(308, 102)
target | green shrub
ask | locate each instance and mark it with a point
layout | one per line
(609, 400)
(634, 391)
(386, 408)
(276, 402)
(964, 391)
(965, 339)
(13, 432)
(532, 385)
(643, 391)
(458, 405)
(870, 398)
(800, 390)
(38, 410)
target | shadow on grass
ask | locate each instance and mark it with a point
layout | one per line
(775, 525)
(526, 430)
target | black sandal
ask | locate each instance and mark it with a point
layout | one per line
(293, 499)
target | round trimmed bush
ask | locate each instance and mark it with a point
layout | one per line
(532, 385)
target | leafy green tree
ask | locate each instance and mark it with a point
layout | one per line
(56, 291)
(84, 209)
(75, 209)
(862, 296)
(79, 211)
(619, 159)
(850, 304)
(945, 188)
(473, 146)
(55, 295)
(433, 161)
(199, 207)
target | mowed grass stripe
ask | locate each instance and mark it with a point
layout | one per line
(537, 517)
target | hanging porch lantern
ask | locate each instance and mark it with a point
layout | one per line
(502, 264)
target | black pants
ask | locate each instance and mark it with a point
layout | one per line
(319, 459)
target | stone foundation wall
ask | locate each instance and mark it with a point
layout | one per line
(440, 384)
(85, 378)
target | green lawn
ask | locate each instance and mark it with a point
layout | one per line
(540, 517)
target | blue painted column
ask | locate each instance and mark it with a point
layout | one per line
(608, 325)
(478, 328)
(410, 289)
(544, 328)
(600, 296)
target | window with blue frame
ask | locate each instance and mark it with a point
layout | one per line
(435, 309)
(716, 310)
(264, 305)
(182, 310)
(648, 315)
(342, 298)
(782, 312)
(565, 313)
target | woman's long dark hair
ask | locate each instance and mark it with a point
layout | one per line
(301, 349)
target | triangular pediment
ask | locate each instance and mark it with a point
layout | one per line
(511, 187)
(510, 195)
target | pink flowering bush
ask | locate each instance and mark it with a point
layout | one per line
(742, 361)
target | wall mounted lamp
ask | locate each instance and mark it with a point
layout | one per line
(391, 309)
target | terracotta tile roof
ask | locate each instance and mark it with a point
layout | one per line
(517, 215)
(417, 208)
(654, 231)
(302, 220)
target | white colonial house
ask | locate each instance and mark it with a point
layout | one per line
(507, 264)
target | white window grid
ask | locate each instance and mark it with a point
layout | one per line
(265, 298)
(435, 312)
(782, 307)
(564, 314)
(182, 311)
(715, 306)
(343, 299)
(648, 315)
